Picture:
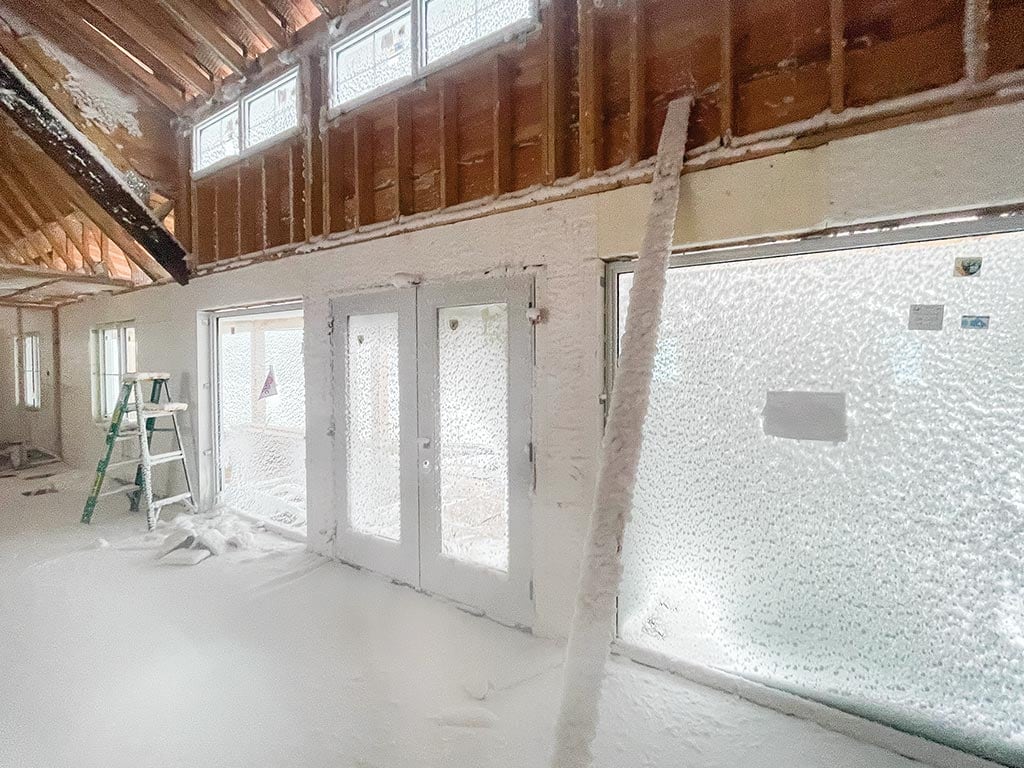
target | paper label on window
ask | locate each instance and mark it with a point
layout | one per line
(925, 317)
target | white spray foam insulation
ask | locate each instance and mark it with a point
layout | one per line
(593, 625)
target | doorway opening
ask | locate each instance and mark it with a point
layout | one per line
(260, 415)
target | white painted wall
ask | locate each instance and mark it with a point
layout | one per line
(35, 427)
(909, 170)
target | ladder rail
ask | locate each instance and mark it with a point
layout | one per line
(101, 468)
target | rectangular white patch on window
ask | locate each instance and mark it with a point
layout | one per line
(806, 415)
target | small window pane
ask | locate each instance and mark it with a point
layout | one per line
(273, 111)
(30, 362)
(373, 60)
(454, 24)
(216, 139)
(116, 356)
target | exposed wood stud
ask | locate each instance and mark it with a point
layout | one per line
(637, 81)
(591, 76)
(57, 382)
(501, 85)
(449, 144)
(976, 16)
(364, 170)
(261, 21)
(183, 201)
(837, 62)
(402, 127)
(206, 29)
(727, 87)
(556, 83)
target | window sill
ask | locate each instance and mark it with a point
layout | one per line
(856, 727)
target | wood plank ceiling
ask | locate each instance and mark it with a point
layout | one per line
(121, 71)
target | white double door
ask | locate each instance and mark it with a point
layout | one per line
(432, 439)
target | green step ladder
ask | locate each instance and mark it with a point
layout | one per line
(147, 413)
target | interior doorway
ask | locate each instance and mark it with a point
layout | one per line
(433, 453)
(260, 415)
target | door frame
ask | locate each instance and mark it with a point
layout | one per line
(399, 560)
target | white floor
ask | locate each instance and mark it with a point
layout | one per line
(275, 657)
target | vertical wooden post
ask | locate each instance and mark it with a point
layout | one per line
(183, 202)
(363, 137)
(58, 439)
(637, 81)
(837, 63)
(728, 86)
(405, 202)
(591, 106)
(556, 79)
(501, 86)
(976, 13)
(449, 144)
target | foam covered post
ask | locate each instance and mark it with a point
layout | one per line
(593, 624)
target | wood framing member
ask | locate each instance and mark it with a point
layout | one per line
(556, 79)
(363, 132)
(59, 246)
(404, 192)
(637, 81)
(837, 61)
(261, 21)
(449, 144)
(591, 107)
(206, 29)
(70, 150)
(501, 85)
(13, 270)
(727, 87)
(976, 13)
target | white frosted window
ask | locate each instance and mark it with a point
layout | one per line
(261, 416)
(215, 139)
(473, 433)
(31, 370)
(372, 59)
(114, 349)
(374, 476)
(454, 24)
(883, 574)
(272, 110)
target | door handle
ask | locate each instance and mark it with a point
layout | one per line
(423, 442)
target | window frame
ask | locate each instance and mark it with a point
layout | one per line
(99, 372)
(921, 229)
(28, 366)
(240, 107)
(418, 51)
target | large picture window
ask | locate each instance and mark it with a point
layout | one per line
(829, 499)
(114, 355)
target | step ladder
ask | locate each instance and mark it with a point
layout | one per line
(147, 415)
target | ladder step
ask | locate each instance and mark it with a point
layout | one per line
(163, 409)
(160, 503)
(120, 489)
(163, 458)
(146, 376)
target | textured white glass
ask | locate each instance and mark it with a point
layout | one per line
(272, 111)
(454, 24)
(373, 59)
(262, 416)
(32, 372)
(472, 436)
(884, 574)
(373, 431)
(215, 140)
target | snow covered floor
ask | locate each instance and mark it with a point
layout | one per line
(275, 657)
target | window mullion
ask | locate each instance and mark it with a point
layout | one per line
(418, 14)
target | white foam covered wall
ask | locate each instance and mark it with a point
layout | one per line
(564, 243)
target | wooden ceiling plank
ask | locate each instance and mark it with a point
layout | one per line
(161, 41)
(206, 29)
(261, 21)
(17, 193)
(96, 52)
(88, 180)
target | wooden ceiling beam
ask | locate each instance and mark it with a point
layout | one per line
(15, 271)
(262, 21)
(204, 27)
(17, 193)
(161, 41)
(91, 48)
(88, 180)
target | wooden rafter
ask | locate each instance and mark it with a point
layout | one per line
(206, 29)
(103, 197)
